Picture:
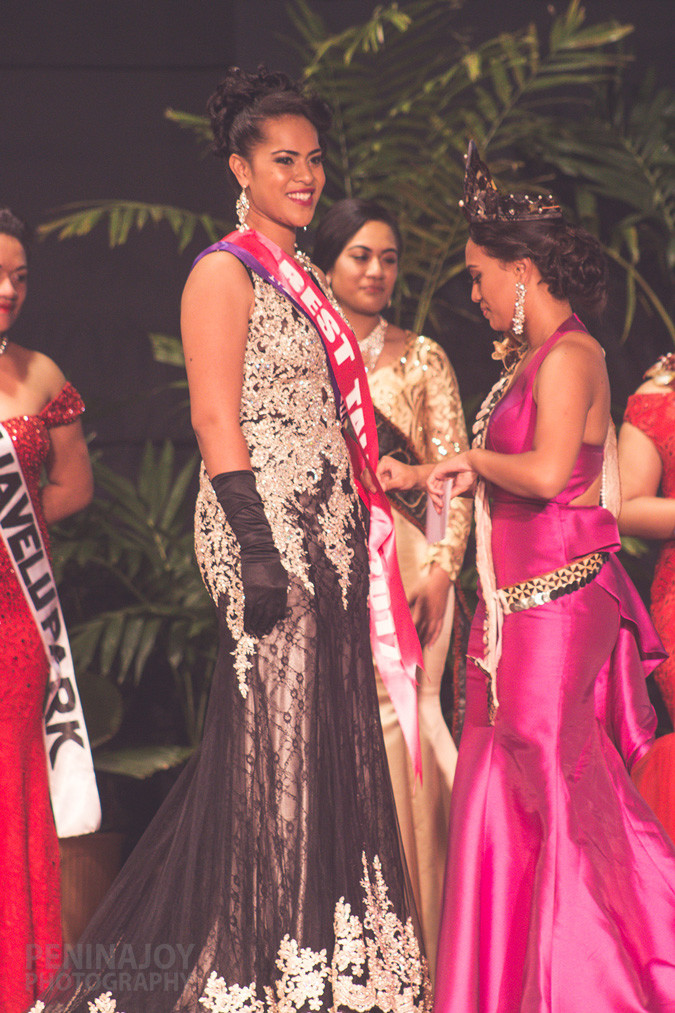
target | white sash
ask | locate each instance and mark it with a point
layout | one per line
(72, 783)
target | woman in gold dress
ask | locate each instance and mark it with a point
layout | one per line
(419, 417)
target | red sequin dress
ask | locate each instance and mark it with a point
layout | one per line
(654, 415)
(30, 911)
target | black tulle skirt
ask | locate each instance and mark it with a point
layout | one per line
(274, 866)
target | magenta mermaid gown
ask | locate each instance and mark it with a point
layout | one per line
(559, 893)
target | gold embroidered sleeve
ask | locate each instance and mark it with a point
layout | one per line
(443, 425)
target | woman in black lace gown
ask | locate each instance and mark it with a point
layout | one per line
(272, 876)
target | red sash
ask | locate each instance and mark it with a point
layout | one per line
(394, 640)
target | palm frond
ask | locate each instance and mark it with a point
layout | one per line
(531, 104)
(199, 125)
(121, 216)
(140, 596)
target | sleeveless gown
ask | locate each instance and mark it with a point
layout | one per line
(560, 885)
(30, 905)
(271, 877)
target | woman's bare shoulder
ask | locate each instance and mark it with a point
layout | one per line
(218, 284)
(578, 347)
(650, 387)
(221, 266)
(41, 373)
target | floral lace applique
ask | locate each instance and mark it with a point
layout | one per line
(289, 422)
(376, 965)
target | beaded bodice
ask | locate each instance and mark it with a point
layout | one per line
(298, 454)
(654, 415)
(30, 436)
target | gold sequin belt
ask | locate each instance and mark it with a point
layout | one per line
(540, 590)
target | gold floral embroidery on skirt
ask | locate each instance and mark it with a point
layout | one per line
(376, 964)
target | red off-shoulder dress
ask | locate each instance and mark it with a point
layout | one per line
(654, 415)
(30, 910)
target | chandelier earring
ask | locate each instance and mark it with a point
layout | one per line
(519, 309)
(242, 208)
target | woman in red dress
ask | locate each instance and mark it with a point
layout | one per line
(39, 411)
(647, 463)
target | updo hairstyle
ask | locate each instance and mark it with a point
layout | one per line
(570, 260)
(242, 102)
(341, 222)
(12, 225)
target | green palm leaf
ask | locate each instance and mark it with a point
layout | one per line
(532, 105)
(123, 216)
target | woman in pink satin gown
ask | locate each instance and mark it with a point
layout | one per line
(559, 894)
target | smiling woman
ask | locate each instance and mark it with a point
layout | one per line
(39, 412)
(283, 178)
(13, 283)
(275, 863)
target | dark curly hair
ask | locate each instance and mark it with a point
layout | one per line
(12, 225)
(570, 260)
(342, 221)
(242, 102)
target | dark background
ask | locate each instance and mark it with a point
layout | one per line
(84, 86)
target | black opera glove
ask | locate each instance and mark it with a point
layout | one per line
(264, 578)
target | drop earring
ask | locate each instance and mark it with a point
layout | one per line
(519, 309)
(242, 208)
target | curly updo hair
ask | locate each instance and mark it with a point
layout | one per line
(344, 219)
(243, 101)
(12, 225)
(570, 259)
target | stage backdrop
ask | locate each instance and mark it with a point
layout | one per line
(84, 87)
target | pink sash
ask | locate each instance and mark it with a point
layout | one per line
(394, 639)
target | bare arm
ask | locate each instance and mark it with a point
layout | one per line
(217, 303)
(70, 485)
(643, 512)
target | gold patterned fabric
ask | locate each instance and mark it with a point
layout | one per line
(529, 594)
(420, 395)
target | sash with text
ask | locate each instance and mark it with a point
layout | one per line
(72, 782)
(394, 640)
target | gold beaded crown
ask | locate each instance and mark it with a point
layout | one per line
(484, 203)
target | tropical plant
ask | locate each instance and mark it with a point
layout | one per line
(627, 154)
(546, 112)
(133, 597)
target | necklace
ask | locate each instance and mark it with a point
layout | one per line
(492, 400)
(3, 344)
(373, 343)
(302, 259)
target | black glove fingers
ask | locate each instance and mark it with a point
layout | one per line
(263, 576)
